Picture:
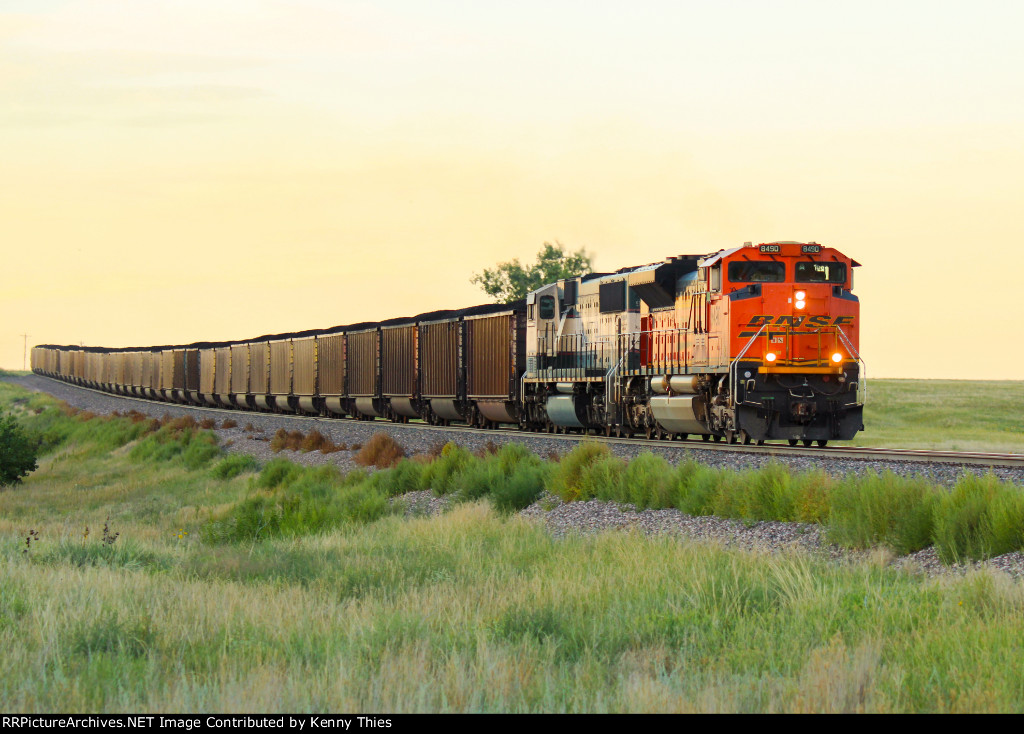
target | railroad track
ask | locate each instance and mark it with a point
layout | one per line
(974, 458)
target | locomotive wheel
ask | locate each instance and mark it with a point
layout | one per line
(792, 442)
(822, 442)
(808, 442)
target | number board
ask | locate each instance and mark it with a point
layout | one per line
(770, 248)
(810, 249)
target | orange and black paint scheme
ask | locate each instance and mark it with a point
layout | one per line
(781, 341)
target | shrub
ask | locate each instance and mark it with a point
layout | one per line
(403, 478)
(566, 482)
(234, 465)
(17, 451)
(277, 473)
(380, 451)
(882, 509)
(696, 488)
(521, 489)
(440, 475)
(312, 501)
(647, 481)
(201, 450)
(603, 479)
(982, 517)
(286, 440)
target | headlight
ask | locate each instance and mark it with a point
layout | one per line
(770, 357)
(800, 295)
(837, 357)
(801, 304)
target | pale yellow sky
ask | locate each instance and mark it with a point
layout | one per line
(176, 171)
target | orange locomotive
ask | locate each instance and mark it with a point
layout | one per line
(752, 343)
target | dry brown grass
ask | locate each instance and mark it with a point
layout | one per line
(180, 424)
(316, 441)
(380, 451)
(229, 423)
(207, 423)
(298, 441)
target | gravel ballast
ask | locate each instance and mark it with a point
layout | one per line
(419, 438)
(561, 518)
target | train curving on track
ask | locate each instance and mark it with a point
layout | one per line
(748, 344)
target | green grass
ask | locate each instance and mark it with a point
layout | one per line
(955, 415)
(341, 608)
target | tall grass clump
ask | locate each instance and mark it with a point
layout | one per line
(278, 473)
(304, 502)
(982, 517)
(883, 509)
(568, 480)
(441, 475)
(512, 476)
(406, 476)
(381, 451)
(234, 465)
(647, 482)
(193, 448)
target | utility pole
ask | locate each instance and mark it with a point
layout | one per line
(24, 357)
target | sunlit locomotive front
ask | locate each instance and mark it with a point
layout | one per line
(753, 343)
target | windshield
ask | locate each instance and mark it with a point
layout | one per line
(820, 272)
(757, 271)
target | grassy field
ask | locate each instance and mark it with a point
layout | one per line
(476, 610)
(957, 415)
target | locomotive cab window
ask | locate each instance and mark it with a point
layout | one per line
(757, 271)
(810, 272)
(547, 307)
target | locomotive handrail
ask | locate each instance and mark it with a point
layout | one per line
(862, 379)
(734, 366)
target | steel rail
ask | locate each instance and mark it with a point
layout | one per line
(864, 453)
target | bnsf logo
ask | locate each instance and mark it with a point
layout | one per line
(810, 322)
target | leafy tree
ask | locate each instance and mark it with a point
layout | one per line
(510, 281)
(17, 451)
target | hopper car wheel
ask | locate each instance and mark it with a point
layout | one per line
(718, 439)
(807, 442)
(684, 436)
(649, 432)
(822, 443)
(792, 442)
(745, 438)
(760, 442)
(705, 437)
(609, 431)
